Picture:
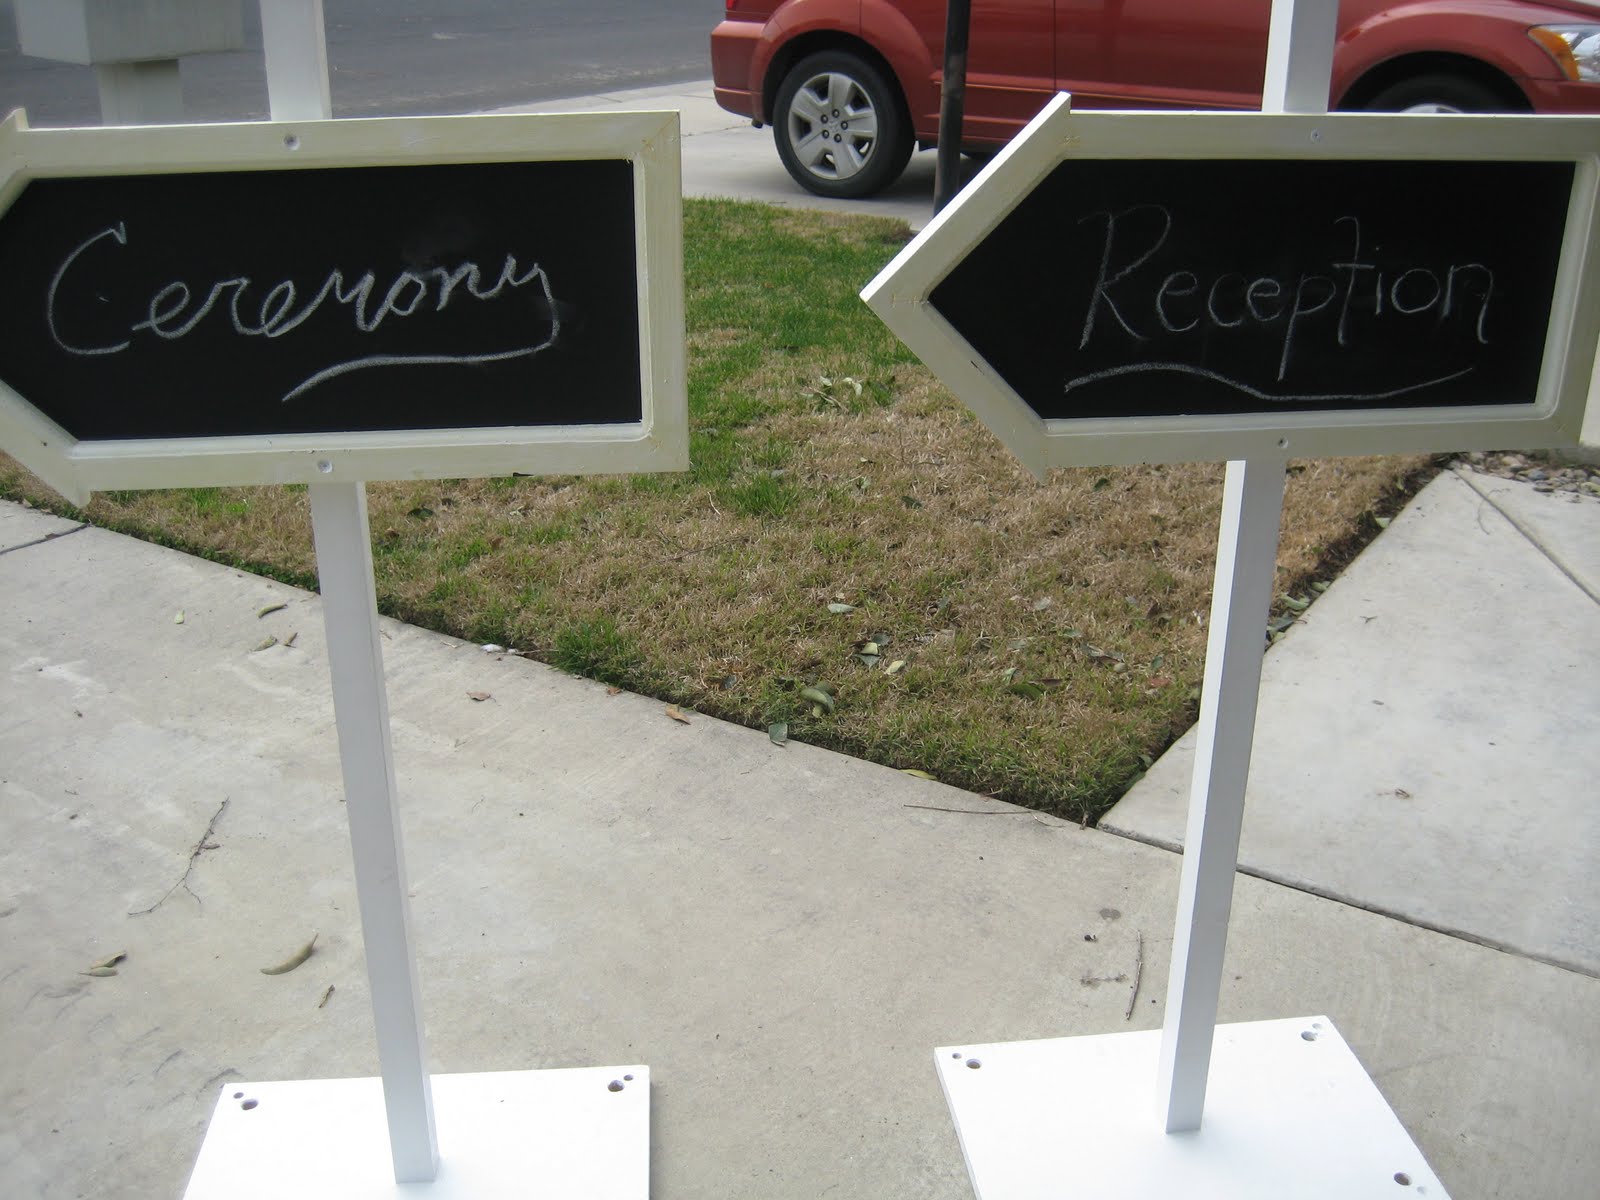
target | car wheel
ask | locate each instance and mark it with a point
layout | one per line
(1439, 94)
(840, 126)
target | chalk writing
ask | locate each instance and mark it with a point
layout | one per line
(1176, 368)
(1135, 288)
(253, 310)
(1140, 295)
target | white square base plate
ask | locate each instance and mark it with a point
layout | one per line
(561, 1135)
(1286, 1115)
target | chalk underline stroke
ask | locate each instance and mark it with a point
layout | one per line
(435, 360)
(1258, 393)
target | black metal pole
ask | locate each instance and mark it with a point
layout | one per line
(952, 102)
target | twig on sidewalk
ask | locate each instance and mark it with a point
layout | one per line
(1138, 974)
(971, 812)
(205, 843)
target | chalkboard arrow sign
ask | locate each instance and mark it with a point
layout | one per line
(1133, 287)
(405, 298)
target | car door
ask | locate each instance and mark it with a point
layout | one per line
(1162, 53)
(1010, 64)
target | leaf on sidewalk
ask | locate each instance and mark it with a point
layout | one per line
(293, 961)
(779, 733)
(106, 966)
(676, 713)
(480, 697)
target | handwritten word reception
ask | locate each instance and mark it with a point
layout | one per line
(481, 295)
(1220, 286)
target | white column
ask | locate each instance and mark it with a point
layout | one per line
(1247, 551)
(1298, 73)
(1300, 56)
(297, 84)
(133, 45)
(294, 40)
(361, 711)
(140, 93)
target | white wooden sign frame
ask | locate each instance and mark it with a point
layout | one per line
(658, 442)
(900, 295)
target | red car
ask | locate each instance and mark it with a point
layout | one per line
(850, 85)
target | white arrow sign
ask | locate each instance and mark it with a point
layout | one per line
(1141, 287)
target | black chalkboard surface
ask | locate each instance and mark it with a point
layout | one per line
(322, 300)
(1135, 287)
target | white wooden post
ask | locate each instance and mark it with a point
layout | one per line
(295, 43)
(361, 711)
(297, 85)
(1299, 70)
(1300, 56)
(1247, 551)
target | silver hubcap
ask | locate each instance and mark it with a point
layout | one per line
(1432, 106)
(832, 126)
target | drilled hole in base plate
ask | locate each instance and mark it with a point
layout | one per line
(1402, 1179)
(974, 1063)
(614, 1086)
(247, 1105)
(1309, 1035)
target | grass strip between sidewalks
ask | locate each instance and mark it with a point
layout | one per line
(847, 527)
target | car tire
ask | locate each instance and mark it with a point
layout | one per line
(1439, 93)
(840, 126)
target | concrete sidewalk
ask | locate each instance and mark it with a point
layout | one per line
(1428, 738)
(782, 934)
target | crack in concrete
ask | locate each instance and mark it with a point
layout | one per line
(49, 537)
